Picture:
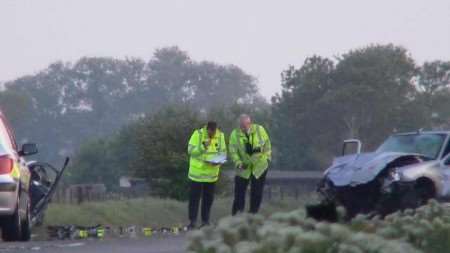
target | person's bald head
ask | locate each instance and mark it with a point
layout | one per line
(245, 122)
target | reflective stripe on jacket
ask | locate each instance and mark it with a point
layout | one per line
(255, 163)
(199, 170)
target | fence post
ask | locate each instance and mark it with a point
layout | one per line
(79, 195)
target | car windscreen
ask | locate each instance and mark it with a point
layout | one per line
(426, 144)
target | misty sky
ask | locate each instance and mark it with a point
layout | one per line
(262, 37)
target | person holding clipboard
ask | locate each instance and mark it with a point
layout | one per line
(207, 150)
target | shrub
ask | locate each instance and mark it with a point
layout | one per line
(426, 229)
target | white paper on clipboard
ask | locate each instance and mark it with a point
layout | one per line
(218, 159)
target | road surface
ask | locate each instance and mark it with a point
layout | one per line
(156, 244)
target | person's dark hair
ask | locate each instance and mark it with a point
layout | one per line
(211, 125)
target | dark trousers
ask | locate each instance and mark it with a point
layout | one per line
(256, 193)
(205, 192)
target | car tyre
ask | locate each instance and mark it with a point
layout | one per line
(12, 227)
(423, 191)
(17, 228)
(26, 224)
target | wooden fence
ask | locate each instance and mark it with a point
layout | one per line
(77, 194)
(279, 185)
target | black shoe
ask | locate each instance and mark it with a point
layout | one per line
(191, 226)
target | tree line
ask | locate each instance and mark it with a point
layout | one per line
(67, 104)
(133, 117)
(366, 93)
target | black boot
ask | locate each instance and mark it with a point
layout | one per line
(191, 226)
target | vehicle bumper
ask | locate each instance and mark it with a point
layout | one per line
(364, 198)
(396, 188)
(8, 195)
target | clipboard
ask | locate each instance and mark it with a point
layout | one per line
(218, 159)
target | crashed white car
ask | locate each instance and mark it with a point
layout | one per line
(406, 171)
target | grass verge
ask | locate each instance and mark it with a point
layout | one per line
(153, 212)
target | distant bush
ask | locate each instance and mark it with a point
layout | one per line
(426, 229)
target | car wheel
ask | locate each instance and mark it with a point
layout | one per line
(12, 227)
(26, 224)
(423, 191)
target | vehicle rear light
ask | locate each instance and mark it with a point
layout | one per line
(6, 164)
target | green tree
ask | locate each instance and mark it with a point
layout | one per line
(433, 83)
(368, 93)
(105, 160)
(162, 150)
(16, 106)
(296, 117)
(374, 84)
(204, 85)
(95, 96)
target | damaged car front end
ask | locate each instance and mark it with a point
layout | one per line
(404, 172)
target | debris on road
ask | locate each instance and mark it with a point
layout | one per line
(76, 232)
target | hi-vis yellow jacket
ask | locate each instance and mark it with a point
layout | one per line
(199, 170)
(256, 163)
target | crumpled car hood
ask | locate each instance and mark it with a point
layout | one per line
(360, 168)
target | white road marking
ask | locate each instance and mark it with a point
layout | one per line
(77, 244)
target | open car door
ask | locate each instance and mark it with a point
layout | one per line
(44, 180)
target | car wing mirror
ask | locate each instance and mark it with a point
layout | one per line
(351, 146)
(28, 149)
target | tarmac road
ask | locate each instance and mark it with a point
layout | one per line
(156, 244)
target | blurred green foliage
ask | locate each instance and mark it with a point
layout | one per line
(426, 229)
